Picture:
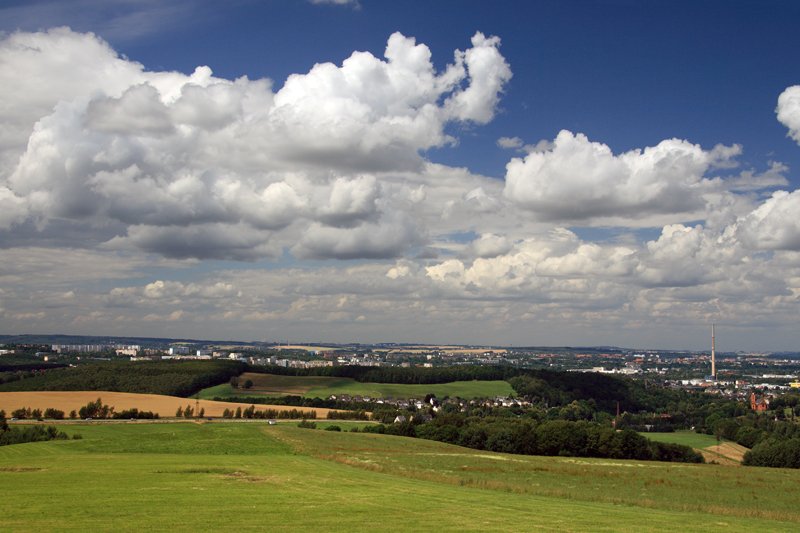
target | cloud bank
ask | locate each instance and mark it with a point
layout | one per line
(122, 189)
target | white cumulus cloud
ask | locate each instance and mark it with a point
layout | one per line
(788, 111)
(199, 166)
(773, 225)
(577, 179)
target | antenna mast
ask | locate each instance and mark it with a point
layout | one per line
(713, 354)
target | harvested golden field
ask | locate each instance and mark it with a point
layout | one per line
(165, 406)
(727, 453)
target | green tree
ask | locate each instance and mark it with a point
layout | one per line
(54, 413)
(774, 453)
(95, 409)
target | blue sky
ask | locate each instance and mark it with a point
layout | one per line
(422, 238)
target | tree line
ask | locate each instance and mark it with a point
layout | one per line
(252, 412)
(95, 409)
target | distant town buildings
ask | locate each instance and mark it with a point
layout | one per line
(95, 348)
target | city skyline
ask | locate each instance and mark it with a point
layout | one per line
(604, 173)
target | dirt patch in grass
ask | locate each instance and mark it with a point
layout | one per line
(244, 476)
(197, 471)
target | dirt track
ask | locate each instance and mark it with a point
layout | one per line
(163, 405)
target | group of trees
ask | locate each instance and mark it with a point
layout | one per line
(33, 433)
(529, 437)
(128, 414)
(96, 409)
(26, 413)
(174, 378)
(234, 381)
(189, 412)
(774, 452)
(608, 393)
(348, 415)
(307, 424)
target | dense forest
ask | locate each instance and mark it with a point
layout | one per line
(174, 378)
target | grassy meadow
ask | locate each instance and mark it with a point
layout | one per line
(237, 476)
(724, 452)
(323, 387)
(687, 438)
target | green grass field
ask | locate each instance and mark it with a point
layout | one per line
(252, 476)
(687, 438)
(323, 387)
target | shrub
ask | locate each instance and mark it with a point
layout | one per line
(307, 424)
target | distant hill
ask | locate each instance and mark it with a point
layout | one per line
(94, 339)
